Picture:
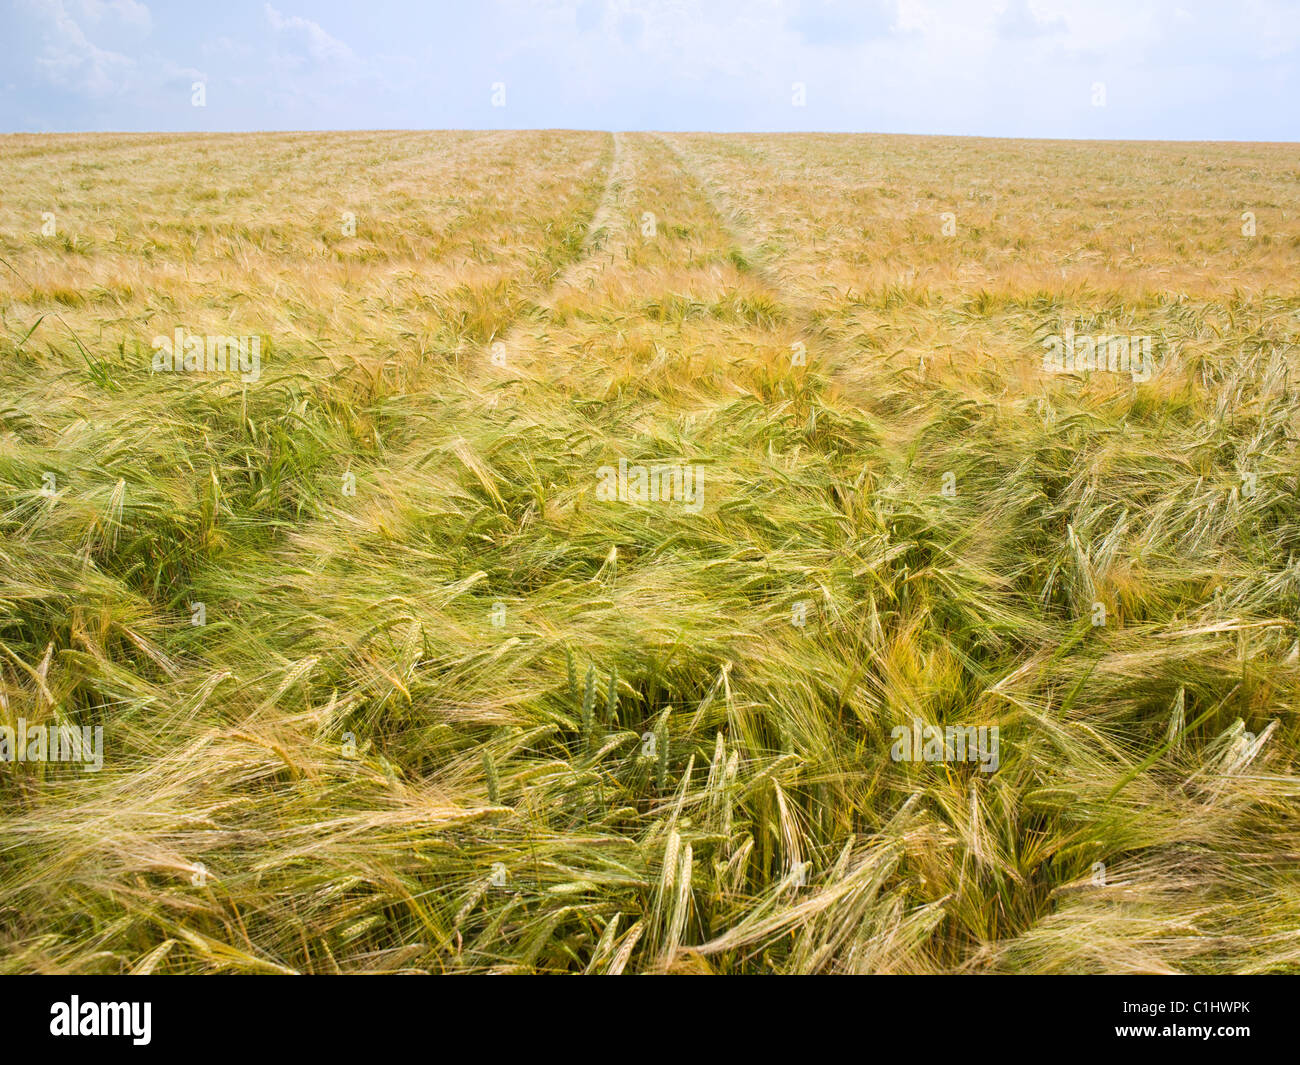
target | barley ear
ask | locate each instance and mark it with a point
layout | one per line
(589, 708)
(493, 781)
(611, 698)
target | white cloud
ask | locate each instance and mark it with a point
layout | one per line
(68, 59)
(1020, 19)
(319, 45)
(1008, 67)
(130, 12)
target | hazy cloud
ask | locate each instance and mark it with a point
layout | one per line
(1020, 20)
(318, 44)
(129, 12)
(842, 24)
(1172, 68)
(68, 59)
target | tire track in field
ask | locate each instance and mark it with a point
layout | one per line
(820, 347)
(606, 239)
(607, 232)
(748, 236)
(751, 239)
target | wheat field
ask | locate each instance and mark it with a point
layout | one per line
(401, 667)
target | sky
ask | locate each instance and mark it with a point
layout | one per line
(1130, 69)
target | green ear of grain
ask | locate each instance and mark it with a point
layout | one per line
(611, 699)
(589, 709)
(661, 749)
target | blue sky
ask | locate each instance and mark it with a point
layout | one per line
(1150, 69)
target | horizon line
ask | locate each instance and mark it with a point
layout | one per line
(596, 129)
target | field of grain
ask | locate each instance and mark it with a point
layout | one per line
(388, 682)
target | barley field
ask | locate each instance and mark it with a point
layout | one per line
(588, 534)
